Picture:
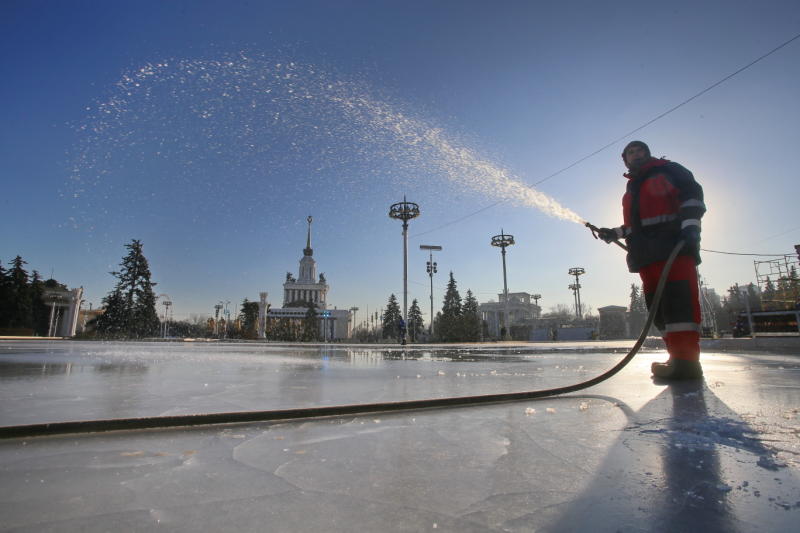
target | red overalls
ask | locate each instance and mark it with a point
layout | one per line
(662, 197)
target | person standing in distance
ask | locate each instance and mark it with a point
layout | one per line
(662, 205)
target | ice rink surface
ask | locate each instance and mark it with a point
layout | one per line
(626, 455)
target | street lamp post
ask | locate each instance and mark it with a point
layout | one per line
(227, 315)
(165, 300)
(355, 324)
(404, 211)
(431, 271)
(502, 241)
(576, 288)
(167, 304)
(216, 319)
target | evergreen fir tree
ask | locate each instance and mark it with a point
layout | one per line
(391, 319)
(637, 310)
(130, 309)
(470, 319)
(416, 326)
(794, 289)
(113, 322)
(448, 326)
(21, 302)
(145, 316)
(41, 311)
(770, 296)
(310, 324)
(5, 297)
(248, 318)
(754, 297)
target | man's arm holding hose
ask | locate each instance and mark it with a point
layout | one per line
(609, 235)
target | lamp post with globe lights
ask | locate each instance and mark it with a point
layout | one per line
(404, 211)
(502, 241)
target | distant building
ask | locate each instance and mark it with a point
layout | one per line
(308, 288)
(613, 322)
(65, 308)
(87, 319)
(521, 312)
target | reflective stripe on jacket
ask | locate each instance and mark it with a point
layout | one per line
(662, 197)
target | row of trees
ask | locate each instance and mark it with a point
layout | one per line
(390, 321)
(23, 310)
(458, 321)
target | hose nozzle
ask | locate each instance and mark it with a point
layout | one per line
(594, 229)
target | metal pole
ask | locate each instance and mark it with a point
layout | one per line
(577, 272)
(404, 211)
(430, 274)
(505, 295)
(502, 241)
(405, 271)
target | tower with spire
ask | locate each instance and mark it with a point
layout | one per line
(306, 288)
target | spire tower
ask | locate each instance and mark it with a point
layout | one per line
(308, 250)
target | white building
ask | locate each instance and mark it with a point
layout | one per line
(308, 288)
(521, 311)
(65, 306)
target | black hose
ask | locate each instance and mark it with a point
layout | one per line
(159, 422)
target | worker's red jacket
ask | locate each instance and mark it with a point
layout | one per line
(661, 199)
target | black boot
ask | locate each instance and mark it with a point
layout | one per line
(676, 369)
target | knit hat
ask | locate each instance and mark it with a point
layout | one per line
(635, 143)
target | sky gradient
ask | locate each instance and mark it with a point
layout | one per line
(211, 130)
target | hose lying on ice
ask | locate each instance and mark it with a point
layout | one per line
(159, 422)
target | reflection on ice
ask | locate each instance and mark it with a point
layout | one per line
(48, 382)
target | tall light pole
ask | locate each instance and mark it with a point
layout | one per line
(431, 271)
(502, 241)
(216, 318)
(536, 298)
(163, 299)
(404, 211)
(576, 288)
(227, 315)
(167, 314)
(355, 324)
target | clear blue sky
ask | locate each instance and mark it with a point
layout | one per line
(210, 130)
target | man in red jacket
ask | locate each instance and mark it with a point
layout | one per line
(662, 205)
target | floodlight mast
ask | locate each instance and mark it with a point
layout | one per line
(431, 271)
(354, 310)
(502, 241)
(576, 288)
(404, 211)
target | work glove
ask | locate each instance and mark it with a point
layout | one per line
(607, 234)
(691, 235)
